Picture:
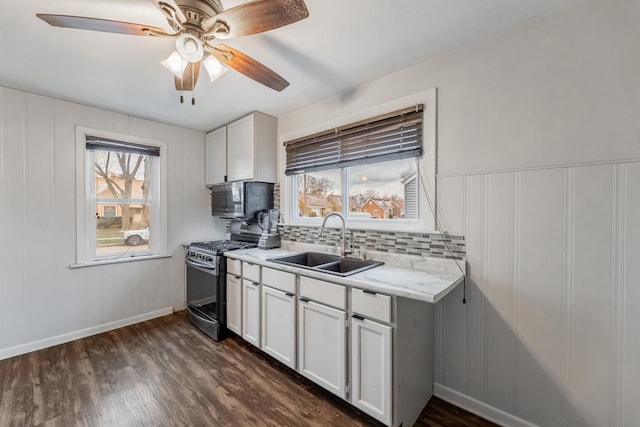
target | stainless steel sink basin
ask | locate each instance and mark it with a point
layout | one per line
(326, 263)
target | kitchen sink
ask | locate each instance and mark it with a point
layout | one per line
(306, 259)
(348, 266)
(326, 263)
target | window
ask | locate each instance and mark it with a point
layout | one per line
(368, 171)
(109, 211)
(119, 188)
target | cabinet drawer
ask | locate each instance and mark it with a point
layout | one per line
(371, 304)
(251, 272)
(282, 280)
(234, 267)
(324, 292)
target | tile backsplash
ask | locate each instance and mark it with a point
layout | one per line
(400, 242)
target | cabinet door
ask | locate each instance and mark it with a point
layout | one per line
(251, 312)
(241, 149)
(322, 346)
(216, 156)
(279, 325)
(371, 368)
(234, 304)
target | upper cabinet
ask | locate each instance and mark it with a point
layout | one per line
(250, 150)
(216, 156)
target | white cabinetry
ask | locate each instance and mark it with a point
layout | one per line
(371, 368)
(279, 325)
(251, 303)
(251, 148)
(216, 156)
(234, 304)
(251, 312)
(373, 350)
(245, 149)
(322, 345)
(322, 330)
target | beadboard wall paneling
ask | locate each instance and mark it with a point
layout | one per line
(40, 297)
(547, 331)
(627, 318)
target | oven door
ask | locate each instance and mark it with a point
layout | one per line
(206, 293)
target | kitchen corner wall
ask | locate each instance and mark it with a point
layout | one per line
(42, 301)
(539, 170)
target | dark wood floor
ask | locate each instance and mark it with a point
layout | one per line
(164, 372)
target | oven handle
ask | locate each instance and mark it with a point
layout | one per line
(199, 266)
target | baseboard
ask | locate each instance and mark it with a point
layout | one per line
(83, 333)
(477, 407)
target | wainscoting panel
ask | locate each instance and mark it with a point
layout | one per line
(549, 331)
(628, 319)
(498, 288)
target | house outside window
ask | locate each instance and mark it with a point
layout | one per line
(119, 190)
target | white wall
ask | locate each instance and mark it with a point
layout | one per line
(538, 167)
(42, 301)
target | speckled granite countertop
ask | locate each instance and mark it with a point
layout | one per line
(418, 278)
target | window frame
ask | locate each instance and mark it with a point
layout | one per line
(85, 207)
(426, 169)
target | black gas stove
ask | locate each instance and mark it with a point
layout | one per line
(207, 284)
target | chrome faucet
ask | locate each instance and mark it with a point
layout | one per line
(344, 251)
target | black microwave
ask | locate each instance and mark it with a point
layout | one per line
(242, 200)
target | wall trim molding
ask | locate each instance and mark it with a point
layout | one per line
(82, 333)
(539, 167)
(477, 407)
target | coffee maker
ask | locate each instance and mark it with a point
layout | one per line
(268, 221)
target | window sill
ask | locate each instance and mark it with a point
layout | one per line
(119, 260)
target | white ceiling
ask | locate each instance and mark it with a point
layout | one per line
(343, 44)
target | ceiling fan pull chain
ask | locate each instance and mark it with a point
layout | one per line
(181, 88)
(193, 84)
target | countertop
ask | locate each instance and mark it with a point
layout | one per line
(401, 281)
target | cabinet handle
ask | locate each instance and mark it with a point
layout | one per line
(355, 316)
(369, 292)
(304, 300)
(289, 294)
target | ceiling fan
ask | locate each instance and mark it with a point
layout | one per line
(197, 24)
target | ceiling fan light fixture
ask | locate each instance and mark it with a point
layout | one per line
(175, 64)
(189, 47)
(214, 68)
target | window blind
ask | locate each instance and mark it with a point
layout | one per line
(393, 136)
(99, 143)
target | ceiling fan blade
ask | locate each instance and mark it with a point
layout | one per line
(255, 17)
(189, 77)
(249, 67)
(104, 25)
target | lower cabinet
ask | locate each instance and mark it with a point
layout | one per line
(234, 303)
(251, 312)
(371, 368)
(372, 350)
(279, 325)
(322, 345)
